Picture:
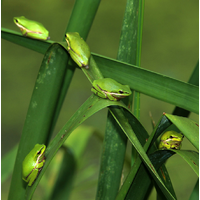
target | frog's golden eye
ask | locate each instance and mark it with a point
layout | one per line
(121, 92)
(16, 20)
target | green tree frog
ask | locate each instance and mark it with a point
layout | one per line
(171, 140)
(31, 28)
(110, 89)
(78, 49)
(33, 163)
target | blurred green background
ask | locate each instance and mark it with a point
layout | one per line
(169, 46)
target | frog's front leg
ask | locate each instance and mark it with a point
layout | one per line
(99, 92)
(111, 97)
(24, 32)
(40, 165)
(175, 145)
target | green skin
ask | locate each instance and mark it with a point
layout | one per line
(33, 163)
(31, 28)
(108, 88)
(171, 140)
(78, 49)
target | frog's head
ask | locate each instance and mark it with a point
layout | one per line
(121, 92)
(18, 20)
(171, 140)
(172, 136)
(71, 36)
(39, 152)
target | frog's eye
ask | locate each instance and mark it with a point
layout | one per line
(16, 20)
(171, 136)
(39, 152)
(121, 92)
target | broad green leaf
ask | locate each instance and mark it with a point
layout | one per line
(80, 21)
(194, 79)
(150, 83)
(112, 160)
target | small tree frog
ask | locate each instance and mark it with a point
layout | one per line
(110, 89)
(78, 49)
(31, 28)
(33, 163)
(171, 140)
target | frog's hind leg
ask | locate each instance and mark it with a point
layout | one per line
(32, 177)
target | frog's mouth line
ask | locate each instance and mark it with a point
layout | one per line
(41, 157)
(175, 142)
(27, 30)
